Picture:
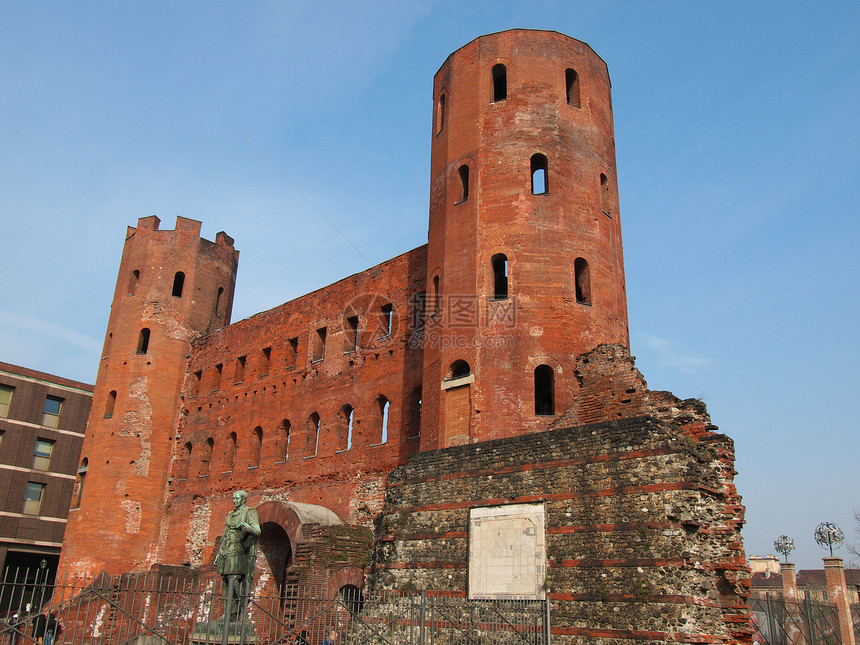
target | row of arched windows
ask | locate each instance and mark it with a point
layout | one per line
(499, 84)
(539, 173)
(176, 291)
(279, 445)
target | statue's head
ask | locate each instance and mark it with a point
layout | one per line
(239, 498)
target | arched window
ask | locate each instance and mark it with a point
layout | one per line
(582, 277)
(206, 457)
(256, 447)
(384, 407)
(440, 113)
(178, 284)
(499, 262)
(110, 403)
(108, 342)
(345, 431)
(132, 282)
(281, 447)
(500, 82)
(230, 452)
(184, 461)
(218, 301)
(436, 296)
(464, 182)
(414, 429)
(544, 390)
(540, 184)
(79, 483)
(605, 196)
(459, 369)
(571, 82)
(143, 341)
(313, 438)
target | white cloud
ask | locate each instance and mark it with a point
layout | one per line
(670, 354)
(39, 327)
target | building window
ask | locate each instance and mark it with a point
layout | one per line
(459, 369)
(351, 342)
(178, 284)
(386, 320)
(582, 277)
(230, 453)
(440, 113)
(108, 341)
(194, 385)
(78, 492)
(500, 82)
(143, 341)
(42, 454)
(256, 447)
(132, 282)
(463, 171)
(436, 296)
(239, 375)
(51, 413)
(313, 439)
(184, 461)
(544, 390)
(216, 376)
(499, 263)
(267, 359)
(292, 352)
(347, 418)
(384, 407)
(319, 345)
(571, 82)
(283, 441)
(206, 456)
(110, 404)
(605, 197)
(5, 400)
(218, 302)
(33, 494)
(539, 164)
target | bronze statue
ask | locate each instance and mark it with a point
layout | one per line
(237, 555)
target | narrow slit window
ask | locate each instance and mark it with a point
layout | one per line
(347, 418)
(319, 345)
(544, 391)
(436, 295)
(178, 284)
(582, 277)
(266, 361)
(194, 385)
(499, 263)
(218, 301)
(216, 376)
(108, 341)
(283, 440)
(230, 453)
(143, 341)
(239, 375)
(605, 197)
(440, 113)
(78, 491)
(110, 404)
(351, 342)
(463, 171)
(206, 457)
(292, 351)
(571, 81)
(539, 165)
(132, 282)
(500, 82)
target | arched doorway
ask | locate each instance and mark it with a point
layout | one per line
(274, 553)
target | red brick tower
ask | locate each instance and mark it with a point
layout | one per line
(172, 287)
(525, 267)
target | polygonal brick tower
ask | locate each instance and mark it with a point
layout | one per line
(525, 268)
(172, 287)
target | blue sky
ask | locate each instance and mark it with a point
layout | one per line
(737, 137)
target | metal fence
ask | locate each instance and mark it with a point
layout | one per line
(785, 622)
(137, 609)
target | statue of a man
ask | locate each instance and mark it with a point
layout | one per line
(237, 555)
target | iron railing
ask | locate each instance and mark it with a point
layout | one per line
(786, 622)
(159, 609)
